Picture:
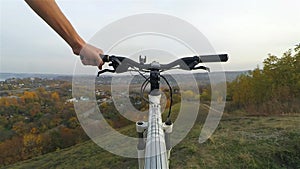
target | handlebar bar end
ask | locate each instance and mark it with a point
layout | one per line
(214, 58)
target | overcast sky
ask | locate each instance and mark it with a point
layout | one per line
(246, 30)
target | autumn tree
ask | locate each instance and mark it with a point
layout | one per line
(11, 151)
(55, 96)
(30, 96)
(32, 144)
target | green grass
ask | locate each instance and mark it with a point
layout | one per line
(239, 142)
(251, 142)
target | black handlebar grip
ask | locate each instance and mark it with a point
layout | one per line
(105, 58)
(214, 58)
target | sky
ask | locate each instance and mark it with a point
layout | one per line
(246, 30)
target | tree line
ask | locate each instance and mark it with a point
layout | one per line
(274, 89)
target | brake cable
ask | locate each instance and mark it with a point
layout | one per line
(143, 87)
(145, 84)
(168, 121)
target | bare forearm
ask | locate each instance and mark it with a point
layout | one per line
(50, 12)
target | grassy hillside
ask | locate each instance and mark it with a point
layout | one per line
(239, 142)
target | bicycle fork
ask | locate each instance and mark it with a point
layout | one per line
(154, 149)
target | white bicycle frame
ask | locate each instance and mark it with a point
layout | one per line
(154, 151)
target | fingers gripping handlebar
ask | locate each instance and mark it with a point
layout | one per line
(121, 64)
(115, 63)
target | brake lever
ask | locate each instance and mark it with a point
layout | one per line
(104, 71)
(202, 67)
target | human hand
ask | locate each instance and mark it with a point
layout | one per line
(90, 55)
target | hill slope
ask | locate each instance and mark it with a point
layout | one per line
(239, 142)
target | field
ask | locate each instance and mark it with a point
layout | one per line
(239, 142)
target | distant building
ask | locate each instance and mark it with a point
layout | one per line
(72, 100)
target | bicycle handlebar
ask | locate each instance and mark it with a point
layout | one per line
(121, 64)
